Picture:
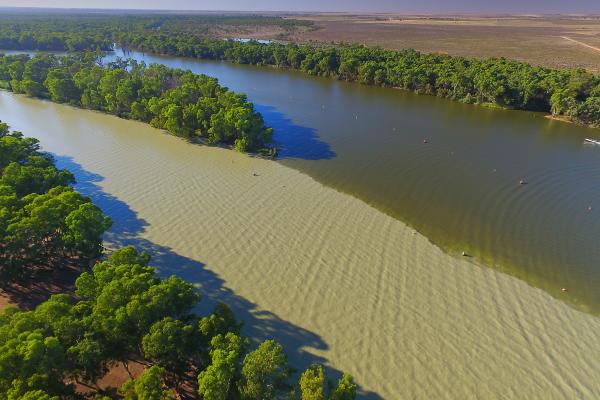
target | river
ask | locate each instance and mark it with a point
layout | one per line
(294, 249)
(462, 188)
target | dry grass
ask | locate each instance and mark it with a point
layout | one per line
(536, 40)
(251, 31)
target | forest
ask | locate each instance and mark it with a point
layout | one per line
(573, 94)
(185, 104)
(120, 309)
(84, 31)
(65, 33)
(567, 94)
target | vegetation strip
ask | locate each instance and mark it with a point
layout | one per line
(574, 94)
(183, 103)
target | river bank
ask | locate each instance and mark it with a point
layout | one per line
(333, 278)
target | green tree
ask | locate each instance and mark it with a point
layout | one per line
(346, 389)
(34, 395)
(88, 357)
(264, 372)
(127, 298)
(216, 382)
(148, 386)
(171, 344)
(61, 87)
(45, 227)
(85, 227)
(312, 383)
(220, 322)
(30, 361)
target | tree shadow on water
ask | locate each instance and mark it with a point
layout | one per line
(259, 324)
(294, 141)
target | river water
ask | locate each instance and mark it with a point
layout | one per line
(450, 170)
(340, 283)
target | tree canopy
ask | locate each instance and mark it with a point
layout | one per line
(183, 103)
(77, 31)
(574, 94)
(43, 221)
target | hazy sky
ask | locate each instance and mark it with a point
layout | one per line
(407, 6)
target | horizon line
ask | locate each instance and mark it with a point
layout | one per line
(310, 12)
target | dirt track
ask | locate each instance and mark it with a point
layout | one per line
(581, 43)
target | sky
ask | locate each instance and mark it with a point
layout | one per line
(400, 6)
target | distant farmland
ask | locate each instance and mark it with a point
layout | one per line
(557, 41)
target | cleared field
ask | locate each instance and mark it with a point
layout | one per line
(558, 41)
(251, 31)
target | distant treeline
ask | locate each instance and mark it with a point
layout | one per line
(86, 31)
(54, 33)
(120, 310)
(29, 40)
(183, 103)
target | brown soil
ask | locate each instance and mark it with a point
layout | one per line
(582, 43)
(117, 375)
(254, 31)
(27, 295)
(536, 40)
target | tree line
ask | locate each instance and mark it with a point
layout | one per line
(573, 94)
(120, 310)
(54, 33)
(185, 104)
(43, 221)
(79, 31)
(569, 94)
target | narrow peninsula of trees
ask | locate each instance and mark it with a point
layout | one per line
(120, 310)
(183, 103)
